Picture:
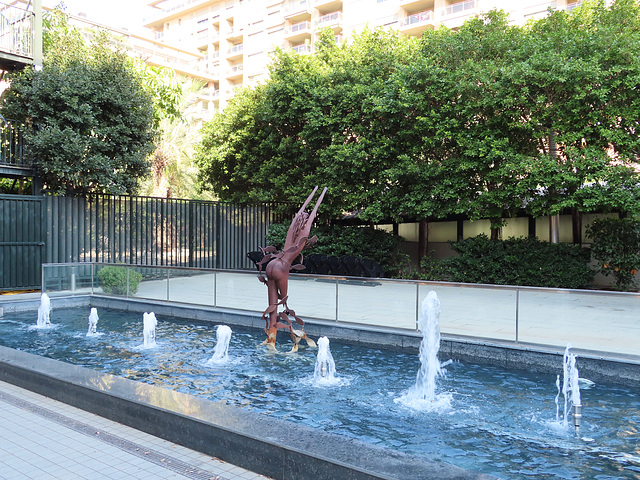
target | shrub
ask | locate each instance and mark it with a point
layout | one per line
(515, 261)
(337, 240)
(616, 247)
(114, 280)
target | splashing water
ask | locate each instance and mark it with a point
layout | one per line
(44, 312)
(93, 322)
(325, 368)
(221, 351)
(570, 387)
(422, 395)
(149, 332)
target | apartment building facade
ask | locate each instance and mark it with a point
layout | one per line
(235, 38)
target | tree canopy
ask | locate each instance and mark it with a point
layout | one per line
(89, 120)
(485, 121)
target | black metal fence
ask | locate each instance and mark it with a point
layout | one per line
(11, 145)
(125, 229)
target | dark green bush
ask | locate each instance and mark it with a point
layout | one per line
(515, 261)
(616, 247)
(336, 240)
(114, 280)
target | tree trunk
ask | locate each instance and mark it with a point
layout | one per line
(554, 228)
(495, 231)
(423, 241)
(554, 220)
(576, 224)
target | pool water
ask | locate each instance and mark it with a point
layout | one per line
(499, 422)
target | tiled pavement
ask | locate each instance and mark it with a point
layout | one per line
(42, 439)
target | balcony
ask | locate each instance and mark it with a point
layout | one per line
(298, 32)
(454, 15)
(571, 6)
(417, 23)
(235, 72)
(235, 51)
(173, 9)
(459, 8)
(202, 39)
(210, 94)
(412, 6)
(13, 163)
(330, 20)
(16, 37)
(234, 33)
(325, 6)
(303, 49)
(298, 10)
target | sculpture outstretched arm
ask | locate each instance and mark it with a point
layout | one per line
(301, 224)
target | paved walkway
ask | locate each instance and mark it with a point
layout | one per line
(42, 439)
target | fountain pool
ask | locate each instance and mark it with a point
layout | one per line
(498, 422)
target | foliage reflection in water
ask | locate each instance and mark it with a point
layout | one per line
(499, 422)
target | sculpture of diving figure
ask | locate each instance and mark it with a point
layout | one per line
(277, 269)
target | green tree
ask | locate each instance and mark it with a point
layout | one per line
(173, 171)
(484, 122)
(469, 145)
(322, 119)
(89, 120)
(577, 76)
(616, 247)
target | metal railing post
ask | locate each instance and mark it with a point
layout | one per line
(517, 311)
(417, 307)
(337, 298)
(215, 288)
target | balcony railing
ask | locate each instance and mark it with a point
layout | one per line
(460, 7)
(169, 7)
(296, 6)
(329, 19)
(235, 70)
(299, 27)
(419, 17)
(11, 145)
(301, 49)
(210, 94)
(16, 31)
(236, 49)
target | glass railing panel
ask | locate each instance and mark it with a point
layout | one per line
(607, 323)
(152, 283)
(242, 291)
(377, 302)
(65, 279)
(474, 311)
(191, 286)
(312, 297)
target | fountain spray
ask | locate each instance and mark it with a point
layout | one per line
(570, 389)
(221, 350)
(44, 312)
(325, 368)
(93, 322)
(149, 329)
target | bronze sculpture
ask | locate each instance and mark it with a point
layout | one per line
(278, 264)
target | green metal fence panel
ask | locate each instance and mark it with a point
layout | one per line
(22, 240)
(125, 229)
